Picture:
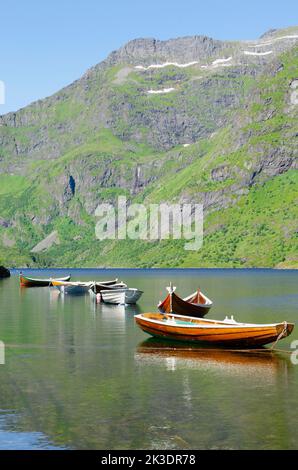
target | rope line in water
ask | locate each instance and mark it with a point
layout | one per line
(281, 335)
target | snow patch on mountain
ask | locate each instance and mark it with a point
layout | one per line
(268, 43)
(165, 64)
(221, 61)
(218, 63)
(158, 92)
(257, 53)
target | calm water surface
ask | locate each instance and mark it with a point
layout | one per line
(80, 375)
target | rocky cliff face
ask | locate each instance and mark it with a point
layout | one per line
(148, 51)
(207, 81)
(185, 119)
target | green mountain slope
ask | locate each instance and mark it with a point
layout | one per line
(191, 120)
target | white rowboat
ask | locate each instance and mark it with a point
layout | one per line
(121, 296)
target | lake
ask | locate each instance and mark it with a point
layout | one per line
(81, 375)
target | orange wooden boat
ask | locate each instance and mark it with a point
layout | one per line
(226, 333)
(195, 305)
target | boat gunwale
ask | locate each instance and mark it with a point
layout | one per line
(218, 324)
(57, 283)
(108, 283)
(50, 279)
(121, 290)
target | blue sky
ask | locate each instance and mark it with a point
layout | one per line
(45, 45)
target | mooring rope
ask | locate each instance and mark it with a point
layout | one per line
(281, 335)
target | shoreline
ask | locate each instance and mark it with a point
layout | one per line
(113, 268)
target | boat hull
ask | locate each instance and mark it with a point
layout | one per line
(31, 282)
(72, 288)
(219, 333)
(184, 307)
(121, 296)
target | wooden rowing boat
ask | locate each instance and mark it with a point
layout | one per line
(82, 287)
(121, 296)
(72, 288)
(26, 281)
(107, 285)
(226, 333)
(195, 305)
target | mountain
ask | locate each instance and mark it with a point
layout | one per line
(186, 120)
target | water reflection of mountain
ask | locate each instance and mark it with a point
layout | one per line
(73, 374)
